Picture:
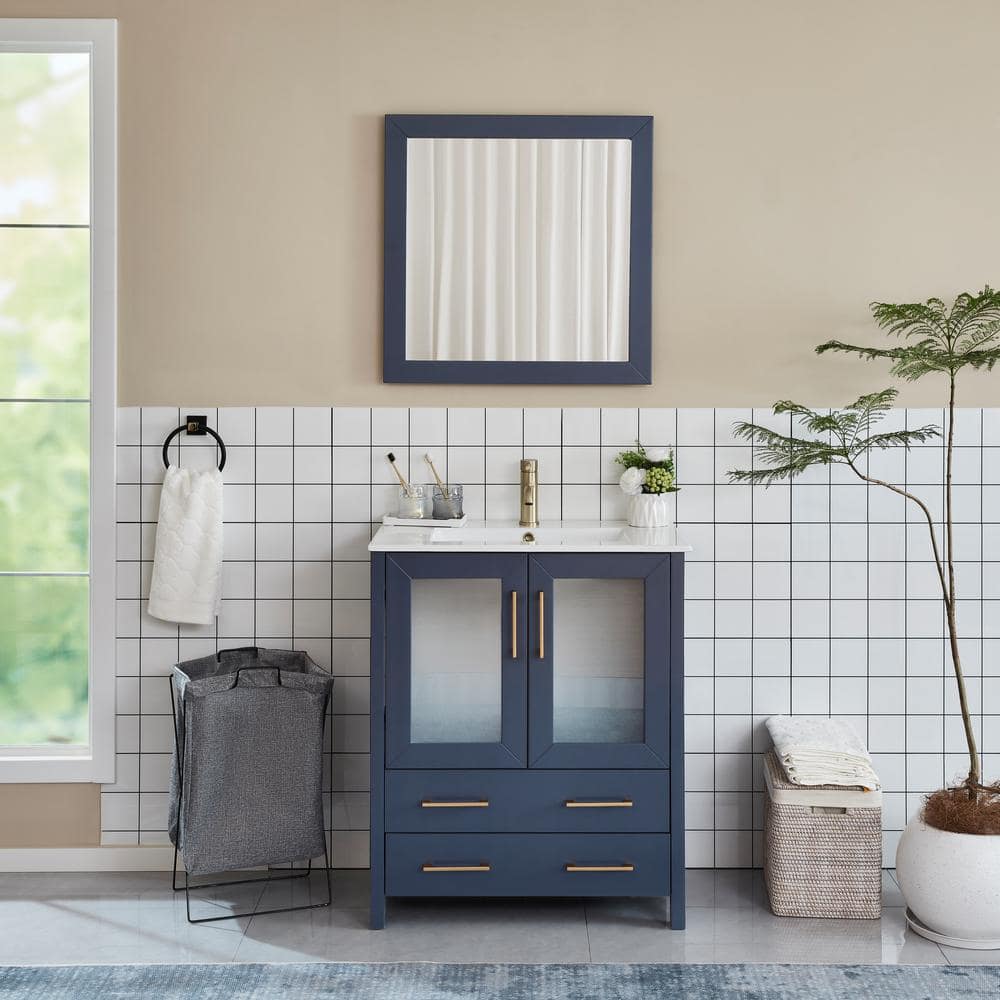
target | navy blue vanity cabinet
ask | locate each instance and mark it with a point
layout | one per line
(527, 725)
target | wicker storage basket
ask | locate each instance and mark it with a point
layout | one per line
(822, 848)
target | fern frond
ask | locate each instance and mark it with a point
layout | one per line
(847, 435)
(909, 363)
(783, 456)
(869, 409)
(913, 319)
(811, 420)
(867, 353)
(899, 439)
(976, 311)
(937, 339)
(981, 360)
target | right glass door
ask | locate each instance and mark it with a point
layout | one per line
(599, 660)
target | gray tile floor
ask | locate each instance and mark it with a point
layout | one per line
(98, 918)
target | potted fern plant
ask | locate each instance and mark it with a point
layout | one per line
(948, 860)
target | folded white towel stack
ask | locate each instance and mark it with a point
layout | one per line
(821, 752)
(187, 563)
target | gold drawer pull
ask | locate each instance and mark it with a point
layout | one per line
(599, 868)
(484, 867)
(616, 804)
(455, 804)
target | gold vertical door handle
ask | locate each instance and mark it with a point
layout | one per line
(513, 624)
(541, 624)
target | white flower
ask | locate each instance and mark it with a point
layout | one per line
(657, 454)
(632, 481)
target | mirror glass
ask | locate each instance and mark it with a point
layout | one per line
(517, 249)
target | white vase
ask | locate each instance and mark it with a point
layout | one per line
(951, 884)
(651, 510)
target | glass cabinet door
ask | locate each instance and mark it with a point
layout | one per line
(597, 679)
(456, 655)
(598, 672)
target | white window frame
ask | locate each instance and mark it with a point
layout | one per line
(99, 37)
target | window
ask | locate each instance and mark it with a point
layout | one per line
(57, 399)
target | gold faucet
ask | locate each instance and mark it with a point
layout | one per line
(529, 493)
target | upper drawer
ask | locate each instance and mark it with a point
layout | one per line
(526, 801)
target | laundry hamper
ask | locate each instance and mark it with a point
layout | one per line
(822, 848)
(247, 779)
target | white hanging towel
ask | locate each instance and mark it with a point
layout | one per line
(187, 563)
(817, 751)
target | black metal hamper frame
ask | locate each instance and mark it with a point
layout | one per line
(269, 878)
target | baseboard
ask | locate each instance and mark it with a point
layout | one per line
(147, 858)
(86, 859)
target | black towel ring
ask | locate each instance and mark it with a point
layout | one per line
(195, 425)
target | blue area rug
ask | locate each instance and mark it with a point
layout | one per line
(424, 981)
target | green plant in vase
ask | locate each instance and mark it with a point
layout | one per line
(648, 478)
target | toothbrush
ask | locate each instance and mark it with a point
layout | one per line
(445, 494)
(399, 475)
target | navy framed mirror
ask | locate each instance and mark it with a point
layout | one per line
(518, 249)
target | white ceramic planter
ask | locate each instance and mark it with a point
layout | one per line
(651, 510)
(951, 884)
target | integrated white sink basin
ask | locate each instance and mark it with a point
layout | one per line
(507, 536)
(565, 533)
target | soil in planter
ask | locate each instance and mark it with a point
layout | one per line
(951, 810)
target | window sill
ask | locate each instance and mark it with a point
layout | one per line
(52, 768)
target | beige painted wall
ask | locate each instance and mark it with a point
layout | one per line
(50, 816)
(809, 157)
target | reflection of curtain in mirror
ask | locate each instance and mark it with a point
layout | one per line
(517, 249)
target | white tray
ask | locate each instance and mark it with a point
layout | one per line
(427, 522)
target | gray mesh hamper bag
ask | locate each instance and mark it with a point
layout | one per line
(247, 778)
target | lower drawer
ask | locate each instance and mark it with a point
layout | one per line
(527, 801)
(489, 864)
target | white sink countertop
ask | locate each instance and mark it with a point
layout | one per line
(507, 536)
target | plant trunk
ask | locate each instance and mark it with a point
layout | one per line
(975, 775)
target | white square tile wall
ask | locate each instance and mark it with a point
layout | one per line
(818, 598)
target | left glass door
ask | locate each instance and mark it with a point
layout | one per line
(456, 649)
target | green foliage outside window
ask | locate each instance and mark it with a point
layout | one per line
(45, 357)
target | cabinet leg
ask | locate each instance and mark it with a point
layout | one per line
(376, 920)
(678, 897)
